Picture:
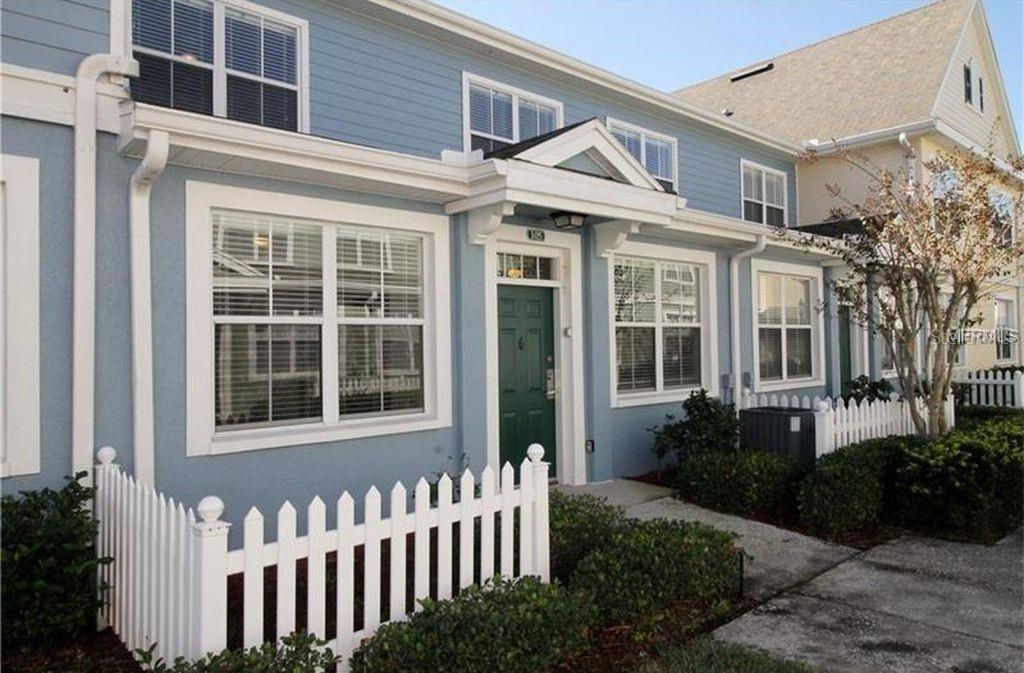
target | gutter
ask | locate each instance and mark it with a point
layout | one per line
(835, 145)
(734, 306)
(83, 370)
(146, 174)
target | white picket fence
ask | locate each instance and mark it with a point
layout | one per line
(168, 583)
(838, 423)
(992, 389)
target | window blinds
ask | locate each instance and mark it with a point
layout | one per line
(175, 46)
(493, 118)
(784, 327)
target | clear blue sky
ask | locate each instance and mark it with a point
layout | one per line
(668, 44)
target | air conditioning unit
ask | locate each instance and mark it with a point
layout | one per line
(785, 430)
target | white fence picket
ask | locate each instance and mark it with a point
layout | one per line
(371, 560)
(316, 569)
(285, 569)
(168, 582)
(467, 499)
(993, 389)
(399, 531)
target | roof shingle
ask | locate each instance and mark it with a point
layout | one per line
(879, 76)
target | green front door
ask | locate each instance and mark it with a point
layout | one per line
(526, 369)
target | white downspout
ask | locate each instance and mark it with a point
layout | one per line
(911, 160)
(734, 306)
(83, 372)
(146, 174)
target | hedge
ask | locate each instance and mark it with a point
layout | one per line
(968, 484)
(742, 482)
(646, 567)
(579, 524)
(48, 587)
(513, 626)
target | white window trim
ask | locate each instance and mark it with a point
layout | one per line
(469, 79)
(19, 361)
(744, 163)
(708, 323)
(976, 87)
(1013, 324)
(817, 277)
(203, 439)
(654, 135)
(121, 11)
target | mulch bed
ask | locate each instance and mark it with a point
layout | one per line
(98, 652)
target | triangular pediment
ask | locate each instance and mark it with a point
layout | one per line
(590, 148)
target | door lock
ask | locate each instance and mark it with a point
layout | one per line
(550, 383)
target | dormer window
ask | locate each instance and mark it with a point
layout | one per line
(496, 115)
(226, 58)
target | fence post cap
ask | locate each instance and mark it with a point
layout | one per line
(535, 452)
(210, 508)
(107, 455)
(822, 405)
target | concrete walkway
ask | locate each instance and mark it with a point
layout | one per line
(912, 605)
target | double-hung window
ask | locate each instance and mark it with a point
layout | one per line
(787, 325)
(657, 153)
(1002, 217)
(662, 339)
(1005, 329)
(496, 115)
(229, 58)
(318, 329)
(764, 194)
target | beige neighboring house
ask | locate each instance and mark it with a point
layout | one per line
(908, 85)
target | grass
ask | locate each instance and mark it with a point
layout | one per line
(705, 655)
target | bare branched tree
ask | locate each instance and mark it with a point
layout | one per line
(921, 256)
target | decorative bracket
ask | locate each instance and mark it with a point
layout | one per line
(484, 221)
(609, 236)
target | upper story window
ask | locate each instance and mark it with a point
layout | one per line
(229, 58)
(764, 194)
(972, 96)
(656, 152)
(1002, 207)
(495, 115)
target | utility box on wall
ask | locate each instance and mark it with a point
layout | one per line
(785, 430)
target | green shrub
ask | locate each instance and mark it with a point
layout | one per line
(579, 524)
(966, 484)
(970, 417)
(48, 590)
(519, 626)
(708, 426)
(650, 565)
(742, 482)
(298, 653)
(846, 490)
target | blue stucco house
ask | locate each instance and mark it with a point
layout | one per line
(282, 248)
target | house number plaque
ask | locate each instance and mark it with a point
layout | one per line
(535, 234)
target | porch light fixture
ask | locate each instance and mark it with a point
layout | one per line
(564, 220)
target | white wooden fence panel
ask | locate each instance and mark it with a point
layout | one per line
(994, 389)
(168, 582)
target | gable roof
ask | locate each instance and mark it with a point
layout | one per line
(589, 138)
(879, 76)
